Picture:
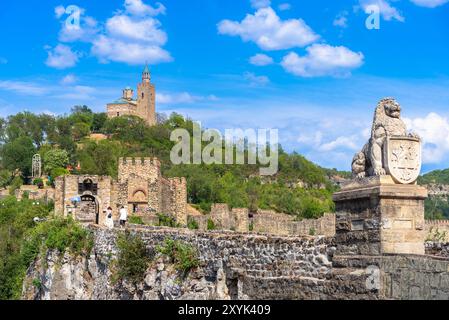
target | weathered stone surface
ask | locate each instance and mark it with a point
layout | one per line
(242, 266)
(390, 150)
(377, 216)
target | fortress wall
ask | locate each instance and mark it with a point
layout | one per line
(275, 267)
(146, 168)
(283, 224)
(242, 254)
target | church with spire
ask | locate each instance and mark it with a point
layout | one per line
(143, 106)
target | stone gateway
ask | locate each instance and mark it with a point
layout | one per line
(140, 188)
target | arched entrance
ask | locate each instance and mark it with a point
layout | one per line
(139, 201)
(88, 211)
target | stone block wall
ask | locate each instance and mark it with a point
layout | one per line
(265, 221)
(141, 179)
(275, 267)
(376, 216)
(283, 224)
(46, 194)
(66, 188)
(146, 168)
(174, 198)
(121, 109)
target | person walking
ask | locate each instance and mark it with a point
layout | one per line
(123, 216)
(109, 222)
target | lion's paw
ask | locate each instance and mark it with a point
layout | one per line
(361, 175)
(380, 172)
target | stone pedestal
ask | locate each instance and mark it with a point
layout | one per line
(377, 216)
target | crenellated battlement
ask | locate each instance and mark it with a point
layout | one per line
(139, 161)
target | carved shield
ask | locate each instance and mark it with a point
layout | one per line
(402, 157)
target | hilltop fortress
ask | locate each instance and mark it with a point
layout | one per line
(374, 247)
(145, 104)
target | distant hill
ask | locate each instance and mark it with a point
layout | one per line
(65, 143)
(437, 176)
(437, 205)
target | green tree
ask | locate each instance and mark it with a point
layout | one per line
(99, 120)
(55, 158)
(80, 130)
(18, 154)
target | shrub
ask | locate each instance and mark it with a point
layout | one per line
(192, 224)
(312, 232)
(132, 260)
(38, 182)
(37, 283)
(251, 226)
(16, 183)
(21, 240)
(136, 220)
(210, 225)
(182, 255)
(167, 221)
(58, 172)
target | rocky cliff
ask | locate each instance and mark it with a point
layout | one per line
(239, 266)
(232, 266)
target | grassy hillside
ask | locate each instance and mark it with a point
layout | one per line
(437, 176)
(300, 188)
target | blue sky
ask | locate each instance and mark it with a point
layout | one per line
(312, 69)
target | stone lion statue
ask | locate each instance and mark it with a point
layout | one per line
(387, 122)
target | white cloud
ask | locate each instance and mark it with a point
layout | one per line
(110, 49)
(322, 60)
(255, 80)
(341, 20)
(434, 130)
(22, 87)
(261, 59)
(131, 35)
(257, 4)
(86, 32)
(69, 79)
(387, 11)
(268, 31)
(76, 93)
(284, 6)
(59, 11)
(182, 98)
(127, 28)
(137, 7)
(429, 3)
(61, 57)
(342, 142)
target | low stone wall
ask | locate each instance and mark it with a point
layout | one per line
(242, 266)
(283, 224)
(34, 193)
(244, 254)
(265, 221)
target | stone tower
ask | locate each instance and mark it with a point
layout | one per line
(146, 98)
